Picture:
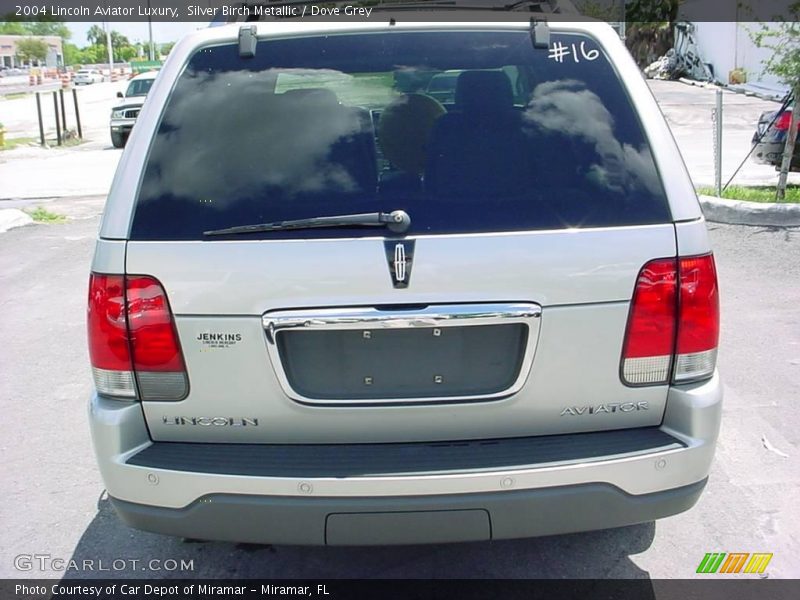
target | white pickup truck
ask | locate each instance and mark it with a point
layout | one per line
(123, 116)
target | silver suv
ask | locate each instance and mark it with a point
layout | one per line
(327, 308)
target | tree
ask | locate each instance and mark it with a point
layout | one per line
(166, 48)
(121, 45)
(648, 11)
(93, 55)
(126, 53)
(31, 49)
(72, 54)
(36, 28)
(96, 36)
(118, 40)
(650, 30)
(598, 9)
(13, 28)
(783, 39)
(49, 28)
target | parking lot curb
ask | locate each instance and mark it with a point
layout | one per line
(740, 212)
(13, 217)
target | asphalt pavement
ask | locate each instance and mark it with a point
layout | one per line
(54, 503)
(688, 111)
(33, 172)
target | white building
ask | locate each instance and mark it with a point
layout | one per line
(9, 57)
(728, 46)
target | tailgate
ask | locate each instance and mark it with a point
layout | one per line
(505, 335)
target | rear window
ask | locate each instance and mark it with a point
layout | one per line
(344, 124)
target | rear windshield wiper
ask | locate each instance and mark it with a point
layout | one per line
(396, 221)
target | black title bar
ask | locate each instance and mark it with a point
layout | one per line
(222, 11)
(480, 589)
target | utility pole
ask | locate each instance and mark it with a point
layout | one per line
(788, 148)
(150, 31)
(110, 49)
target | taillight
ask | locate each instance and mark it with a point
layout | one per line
(107, 327)
(673, 324)
(650, 338)
(132, 337)
(698, 328)
(783, 121)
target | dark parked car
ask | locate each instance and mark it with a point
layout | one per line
(770, 138)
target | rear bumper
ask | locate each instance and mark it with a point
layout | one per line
(771, 153)
(557, 494)
(408, 520)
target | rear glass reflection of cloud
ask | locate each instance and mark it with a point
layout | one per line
(282, 140)
(568, 108)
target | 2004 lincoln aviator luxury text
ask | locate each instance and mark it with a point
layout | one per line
(326, 307)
